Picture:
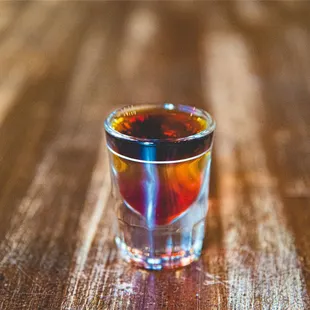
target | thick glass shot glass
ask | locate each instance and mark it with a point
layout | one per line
(160, 157)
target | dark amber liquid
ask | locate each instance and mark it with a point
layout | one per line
(160, 191)
(159, 124)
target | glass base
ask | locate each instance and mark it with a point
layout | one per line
(158, 262)
(159, 247)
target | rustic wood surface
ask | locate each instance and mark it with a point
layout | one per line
(65, 65)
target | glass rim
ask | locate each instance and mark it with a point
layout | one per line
(166, 106)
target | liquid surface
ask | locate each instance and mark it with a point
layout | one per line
(159, 124)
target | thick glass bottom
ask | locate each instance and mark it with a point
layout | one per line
(158, 262)
(165, 247)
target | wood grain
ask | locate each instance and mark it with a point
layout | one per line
(65, 65)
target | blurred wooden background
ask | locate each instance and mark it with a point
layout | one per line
(65, 65)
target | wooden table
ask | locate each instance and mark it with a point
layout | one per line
(65, 66)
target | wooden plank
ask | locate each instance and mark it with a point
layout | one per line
(281, 62)
(34, 233)
(265, 236)
(61, 200)
(287, 114)
(13, 73)
(19, 141)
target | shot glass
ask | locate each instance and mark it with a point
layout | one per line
(160, 157)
